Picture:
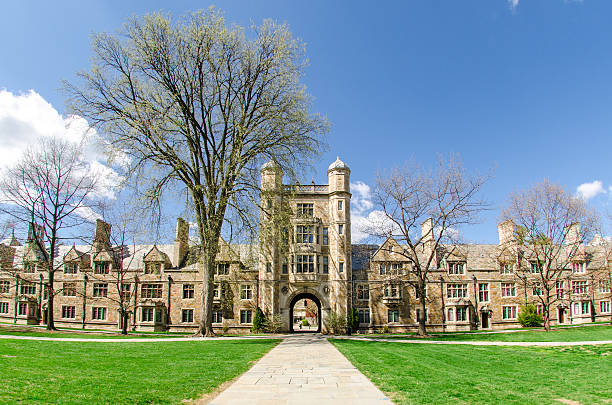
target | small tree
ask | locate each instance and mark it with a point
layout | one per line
(49, 188)
(528, 316)
(274, 323)
(353, 320)
(336, 323)
(259, 321)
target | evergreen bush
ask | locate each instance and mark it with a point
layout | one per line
(259, 321)
(528, 316)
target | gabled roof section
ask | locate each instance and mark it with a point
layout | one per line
(103, 255)
(74, 255)
(390, 250)
(227, 253)
(7, 254)
(454, 253)
(32, 253)
(156, 255)
(506, 254)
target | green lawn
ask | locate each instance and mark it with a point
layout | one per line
(21, 330)
(120, 373)
(591, 332)
(439, 374)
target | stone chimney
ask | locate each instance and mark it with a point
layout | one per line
(181, 242)
(572, 235)
(102, 237)
(35, 233)
(427, 235)
(506, 232)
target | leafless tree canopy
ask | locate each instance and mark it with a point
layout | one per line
(49, 187)
(423, 208)
(201, 104)
(552, 227)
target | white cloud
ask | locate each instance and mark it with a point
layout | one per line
(375, 220)
(25, 117)
(361, 200)
(450, 234)
(513, 4)
(587, 191)
(87, 214)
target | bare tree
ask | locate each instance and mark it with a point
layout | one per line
(124, 248)
(199, 104)
(551, 228)
(438, 201)
(603, 276)
(49, 188)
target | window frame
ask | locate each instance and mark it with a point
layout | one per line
(98, 313)
(246, 291)
(483, 292)
(151, 290)
(188, 291)
(187, 313)
(508, 290)
(510, 310)
(246, 316)
(100, 290)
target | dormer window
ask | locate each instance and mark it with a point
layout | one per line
(153, 268)
(536, 268)
(456, 268)
(29, 267)
(102, 268)
(578, 267)
(305, 209)
(71, 268)
(506, 268)
(223, 269)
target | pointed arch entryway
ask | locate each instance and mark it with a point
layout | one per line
(305, 296)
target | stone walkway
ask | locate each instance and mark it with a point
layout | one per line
(303, 369)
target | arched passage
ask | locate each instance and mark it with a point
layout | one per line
(298, 298)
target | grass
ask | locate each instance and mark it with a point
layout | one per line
(120, 373)
(591, 332)
(74, 333)
(435, 374)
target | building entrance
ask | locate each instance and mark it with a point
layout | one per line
(305, 313)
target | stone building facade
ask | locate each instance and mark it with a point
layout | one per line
(304, 253)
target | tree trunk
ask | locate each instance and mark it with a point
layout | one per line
(547, 312)
(50, 294)
(422, 329)
(124, 322)
(205, 326)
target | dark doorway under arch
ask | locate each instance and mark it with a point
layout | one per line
(296, 299)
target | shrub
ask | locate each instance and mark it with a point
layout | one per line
(353, 320)
(528, 316)
(305, 322)
(385, 329)
(225, 328)
(259, 321)
(336, 323)
(274, 324)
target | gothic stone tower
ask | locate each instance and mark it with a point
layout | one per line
(305, 244)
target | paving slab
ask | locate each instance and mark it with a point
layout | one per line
(302, 369)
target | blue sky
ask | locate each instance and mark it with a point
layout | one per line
(522, 86)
